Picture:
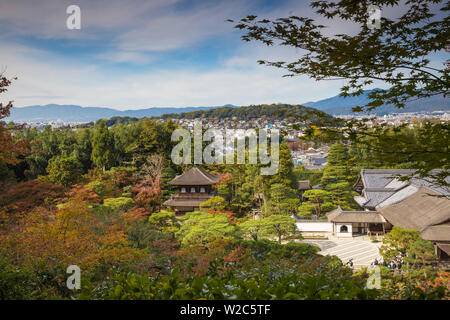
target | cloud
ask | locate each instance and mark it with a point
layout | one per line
(48, 19)
(62, 81)
(127, 62)
(121, 56)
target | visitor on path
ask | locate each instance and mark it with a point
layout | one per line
(350, 263)
(375, 262)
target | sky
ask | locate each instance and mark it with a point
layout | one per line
(133, 54)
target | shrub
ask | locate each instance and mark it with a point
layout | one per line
(120, 203)
(98, 188)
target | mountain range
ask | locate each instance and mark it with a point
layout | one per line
(339, 105)
(73, 113)
(336, 105)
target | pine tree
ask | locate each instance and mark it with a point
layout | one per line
(337, 176)
(102, 146)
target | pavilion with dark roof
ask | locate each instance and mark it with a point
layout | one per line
(195, 186)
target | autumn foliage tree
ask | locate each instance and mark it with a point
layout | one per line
(148, 194)
(24, 197)
(9, 147)
(52, 239)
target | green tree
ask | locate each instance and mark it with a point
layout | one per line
(165, 222)
(318, 203)
(216, 203)
(201, 228)
(154, 138)
(253, 228)
(279, 195)
(338, 155)
(45, 147)
(102, 147)
(280, 226)
(284, 174)
(83, 149)
(397, 243)
(289, 206)
(421, 252)
(342, 195)
(337, 176)
(64, 170)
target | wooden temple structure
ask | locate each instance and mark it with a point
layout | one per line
(195, 186)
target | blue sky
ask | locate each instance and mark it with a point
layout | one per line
(132, 54)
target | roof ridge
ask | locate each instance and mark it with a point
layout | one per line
(382, 189)
(386, 170)
(204, 174)
(402, 199)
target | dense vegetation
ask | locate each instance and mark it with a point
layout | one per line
(270, 112)
(93, 197)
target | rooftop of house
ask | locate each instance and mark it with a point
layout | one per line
(418, 211)
(381, 187)
(304, 185)
(342, 216)
(195, 177)
(414, 204)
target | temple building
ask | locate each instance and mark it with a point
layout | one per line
(386, 201)
(354, 223)
(195, 186)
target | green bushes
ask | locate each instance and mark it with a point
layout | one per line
(64, 170)
(120, 203)
(126, 192)
(16, 283)
(98, 187)
(201, 228)
(224, 282)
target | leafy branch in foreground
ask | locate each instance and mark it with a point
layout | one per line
(397, 54)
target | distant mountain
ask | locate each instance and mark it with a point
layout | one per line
(339, 105)
(336, 105)
(72, 113)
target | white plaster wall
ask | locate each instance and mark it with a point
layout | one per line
(337, 229)
(315, 226)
